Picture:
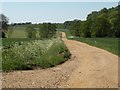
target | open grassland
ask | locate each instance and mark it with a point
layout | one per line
(110, 44)
(29, 54)
(17, 32)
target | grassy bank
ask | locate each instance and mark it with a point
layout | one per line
(24, 55)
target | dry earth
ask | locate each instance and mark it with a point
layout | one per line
(89, 67)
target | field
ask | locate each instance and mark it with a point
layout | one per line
(109, 44)
(17, 32)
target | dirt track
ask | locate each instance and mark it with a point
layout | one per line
(89, 67)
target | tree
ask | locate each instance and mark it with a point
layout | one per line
(100, 27)
(74, 28)
(115, 27)
(92, 15)
(104, 10)
(3, 25)
(85, 28)
(103, 23)
(47, 30)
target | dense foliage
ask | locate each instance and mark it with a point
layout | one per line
(47, 30)
(104, 23)
(44, 30)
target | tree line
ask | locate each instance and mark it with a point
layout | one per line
(26, 23)
(44, 30)
(103, 23)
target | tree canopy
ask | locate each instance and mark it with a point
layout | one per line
(103, 23)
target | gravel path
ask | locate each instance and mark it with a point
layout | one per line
(89, 67)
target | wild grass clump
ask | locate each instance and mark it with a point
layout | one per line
(57, 54)
(36, 53)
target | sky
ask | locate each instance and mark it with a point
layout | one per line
(55, 12)
(60, 0)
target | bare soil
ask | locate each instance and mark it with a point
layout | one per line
(89, 67)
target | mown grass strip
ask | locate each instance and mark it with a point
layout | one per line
(109, 44)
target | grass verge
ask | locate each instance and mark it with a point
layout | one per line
(109, 44)
(31, 54)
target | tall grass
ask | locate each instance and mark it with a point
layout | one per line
(37, 53)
